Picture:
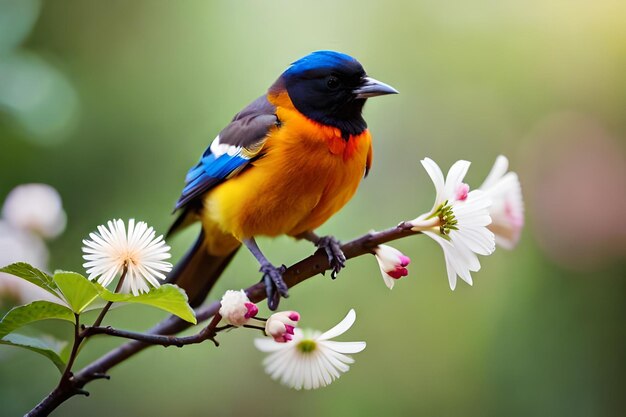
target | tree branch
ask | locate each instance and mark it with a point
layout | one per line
(207, 333)
(305, 269)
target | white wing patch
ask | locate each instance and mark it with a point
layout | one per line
(218, 149)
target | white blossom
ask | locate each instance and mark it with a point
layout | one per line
(36, 208)
(507, 208)
(18, 245)
(114, 248)
(311, 360)
(458, 221)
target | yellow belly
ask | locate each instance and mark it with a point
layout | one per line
(307, 174)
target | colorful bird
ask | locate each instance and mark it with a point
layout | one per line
(283, 166)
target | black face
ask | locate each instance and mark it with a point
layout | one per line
(327, 96)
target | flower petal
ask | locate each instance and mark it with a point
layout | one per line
(344, 347)
(269, 345)
(497, 171)
(341, 327)
(455, 178)
(436, 176)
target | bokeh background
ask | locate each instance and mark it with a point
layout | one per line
(111, 103)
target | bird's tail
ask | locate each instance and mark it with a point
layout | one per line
(198, 271)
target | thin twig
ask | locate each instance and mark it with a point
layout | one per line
(207, 333)
(305, 269)
(146, 338)
(251, 326)
(108, 305)
(77, 341)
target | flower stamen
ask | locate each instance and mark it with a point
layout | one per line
(306, 346)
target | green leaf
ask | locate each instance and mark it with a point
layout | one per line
(33, 275)
(78, 291)
(167, 297)
(48, 347)
(35, 311)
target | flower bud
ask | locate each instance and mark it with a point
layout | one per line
(36, 208)
(392, 264)
(236, 308)
(281, 325)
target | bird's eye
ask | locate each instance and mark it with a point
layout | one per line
(333, 82)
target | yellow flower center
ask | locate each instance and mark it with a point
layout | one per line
(306, 346)
(128, 257)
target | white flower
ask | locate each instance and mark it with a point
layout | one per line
(392, 264)
(281, 326)
(236, 308)
(507, 209)
(36, 208)
(458, 221)
(18, 245)
(311, 360)
(112, 249)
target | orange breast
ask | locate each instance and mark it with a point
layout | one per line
(307, 174)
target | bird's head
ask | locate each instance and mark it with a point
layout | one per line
(331, 88)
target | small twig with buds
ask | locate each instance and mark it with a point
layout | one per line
(207, 333)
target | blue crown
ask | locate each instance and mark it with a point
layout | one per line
(323, 60)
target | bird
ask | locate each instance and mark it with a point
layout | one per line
(283, 166)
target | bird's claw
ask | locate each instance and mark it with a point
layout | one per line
(336, 258)
(275, 286)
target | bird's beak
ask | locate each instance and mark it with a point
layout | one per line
(370, 87)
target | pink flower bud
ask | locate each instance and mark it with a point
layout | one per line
(281, 325)
(392, 264)
(252, 310)
(236, 308)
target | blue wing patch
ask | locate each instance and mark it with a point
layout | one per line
(231, 151)
(210, 171)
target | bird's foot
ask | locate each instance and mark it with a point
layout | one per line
(336, 258)
(275, 286)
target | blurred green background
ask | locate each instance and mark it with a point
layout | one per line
(111, 103)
